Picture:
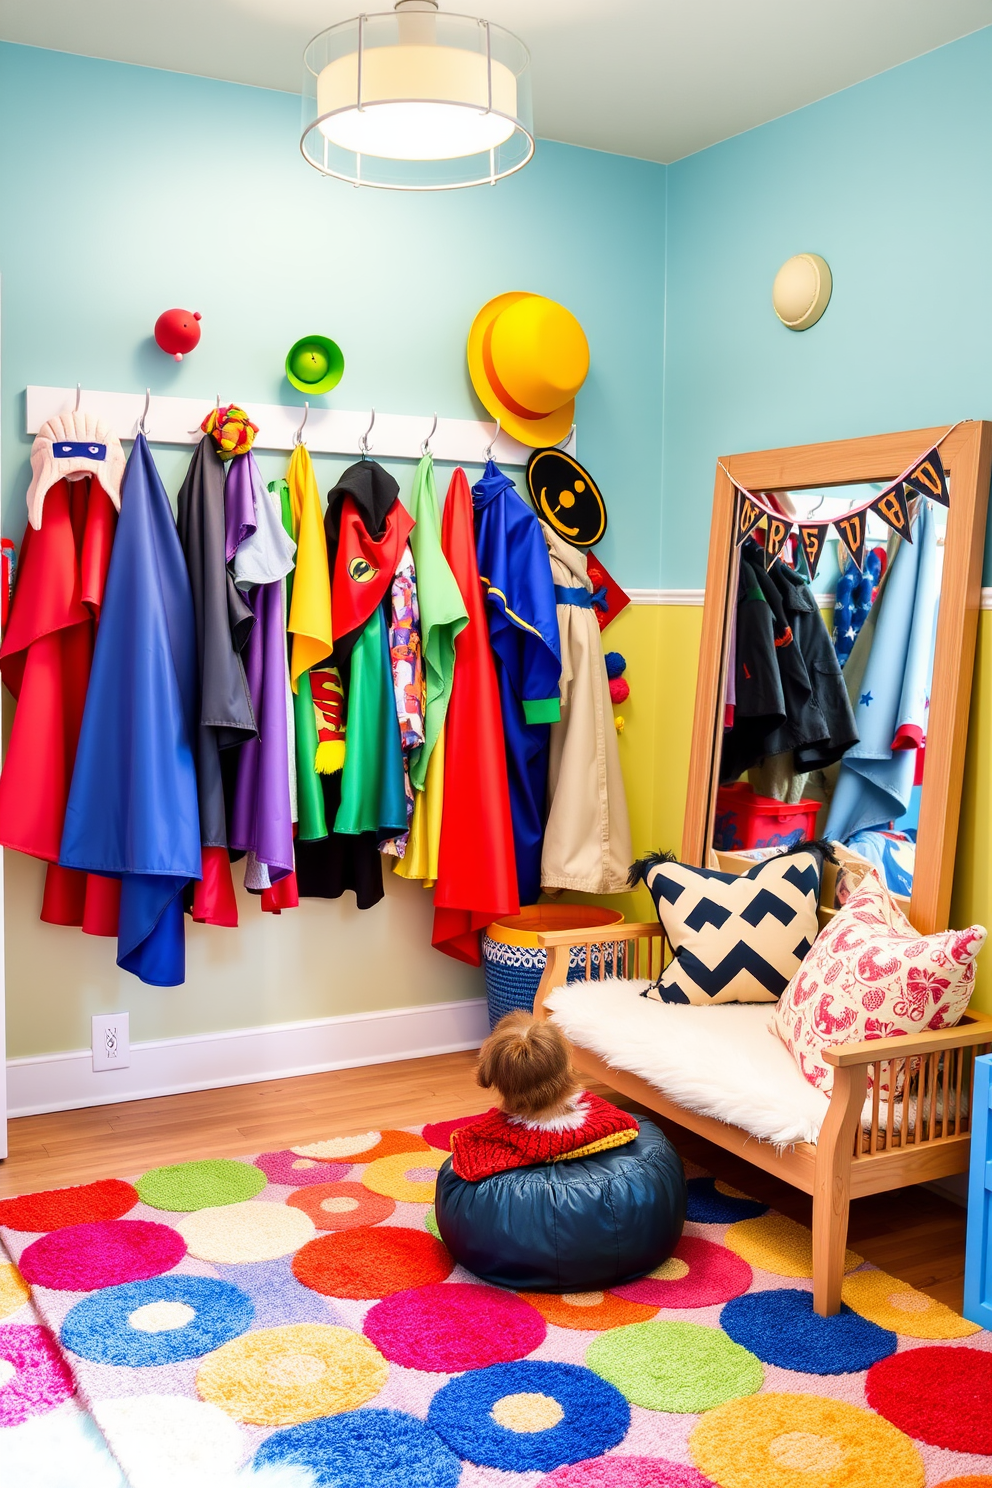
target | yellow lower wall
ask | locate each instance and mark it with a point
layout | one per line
(661, 644)
(327, 958)
(972, 900)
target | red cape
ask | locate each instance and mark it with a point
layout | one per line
(477, 873)
(45, 662)
(365, 565)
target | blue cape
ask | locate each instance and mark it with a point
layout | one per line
(876, 781)
(516, 574)
(132, 811)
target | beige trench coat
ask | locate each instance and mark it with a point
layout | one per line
(587, 840)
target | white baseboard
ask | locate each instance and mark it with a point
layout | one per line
(66, 1081)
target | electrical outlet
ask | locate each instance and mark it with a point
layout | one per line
(111, 1041)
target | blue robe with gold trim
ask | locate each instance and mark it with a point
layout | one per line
(523, 632)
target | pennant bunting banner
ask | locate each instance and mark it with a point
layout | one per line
(776, 537)
(812, 536)
(749, 514)
(853, 528)
(928, 478)
(925, 477)
(893, 507)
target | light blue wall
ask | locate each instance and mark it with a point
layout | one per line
(891, 181)
(125, 190)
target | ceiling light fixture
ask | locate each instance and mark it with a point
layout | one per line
(416, 101)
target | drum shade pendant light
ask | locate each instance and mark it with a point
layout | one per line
(413, 100)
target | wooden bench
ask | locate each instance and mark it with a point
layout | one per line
(922, 1136)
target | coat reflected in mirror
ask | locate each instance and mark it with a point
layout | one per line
(827, 690)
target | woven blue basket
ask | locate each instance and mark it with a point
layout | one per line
(513, 972)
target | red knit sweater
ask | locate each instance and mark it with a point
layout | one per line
(497, 1142)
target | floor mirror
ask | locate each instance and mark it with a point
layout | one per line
(854, 718)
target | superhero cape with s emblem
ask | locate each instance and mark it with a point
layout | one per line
(363, 569)
(325, 869)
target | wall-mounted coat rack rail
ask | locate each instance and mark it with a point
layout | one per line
(327, 431)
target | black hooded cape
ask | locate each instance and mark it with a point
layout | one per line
(224, 622)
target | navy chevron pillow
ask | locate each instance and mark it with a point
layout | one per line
(735, 938)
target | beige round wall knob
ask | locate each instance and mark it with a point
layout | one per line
(801, 291)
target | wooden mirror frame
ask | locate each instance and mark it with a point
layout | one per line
(966, 453)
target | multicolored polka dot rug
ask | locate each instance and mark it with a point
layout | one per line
(293, 1320)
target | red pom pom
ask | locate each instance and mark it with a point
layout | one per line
(619, 689)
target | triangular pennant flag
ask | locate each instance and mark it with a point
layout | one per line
(930, 479)
(811, 537)
(893, 507)
(853, 529)
(776, 537)
(608, 599)
(748, 517)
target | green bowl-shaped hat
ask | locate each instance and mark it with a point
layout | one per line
(315, 364)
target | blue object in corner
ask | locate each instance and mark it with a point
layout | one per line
(978, 1255)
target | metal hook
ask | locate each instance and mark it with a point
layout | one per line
(488, 451)
(425, 447)
(363, 441)
(199, 427)
(298, 436)
(144, 414)
(563, 442)
(79, 396)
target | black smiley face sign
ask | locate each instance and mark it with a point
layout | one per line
(567, 497)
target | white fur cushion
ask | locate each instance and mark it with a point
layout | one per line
(722, 1061)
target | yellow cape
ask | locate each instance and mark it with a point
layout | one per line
(310, 613)
(420, 858)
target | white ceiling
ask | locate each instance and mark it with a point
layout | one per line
(654, 78)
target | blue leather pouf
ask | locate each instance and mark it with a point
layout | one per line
(576, 1226)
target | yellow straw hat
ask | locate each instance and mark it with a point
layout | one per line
(527, 358)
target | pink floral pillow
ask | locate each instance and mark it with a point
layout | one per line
(870, 975)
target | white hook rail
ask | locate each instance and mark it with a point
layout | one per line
(329, 431)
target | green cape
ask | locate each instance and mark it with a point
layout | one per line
(442, 613)
(373, 798)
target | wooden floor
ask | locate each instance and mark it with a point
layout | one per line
(912, 1233)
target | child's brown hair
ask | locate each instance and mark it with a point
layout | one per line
(527, 1063)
